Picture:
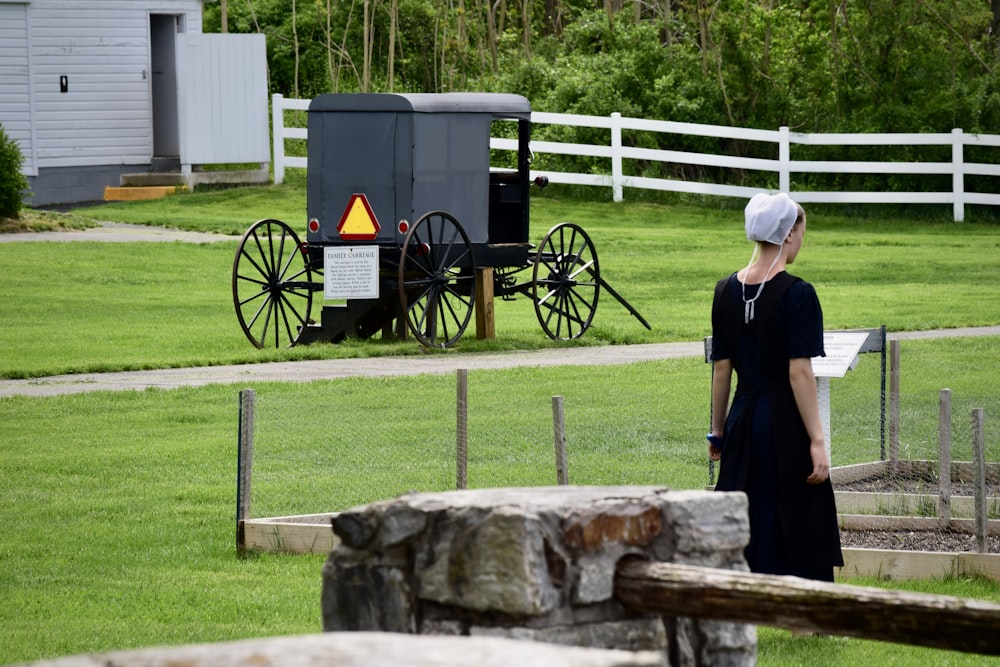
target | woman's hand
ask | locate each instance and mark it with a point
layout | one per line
(820, 461)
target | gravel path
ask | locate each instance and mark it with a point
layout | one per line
(118, 232)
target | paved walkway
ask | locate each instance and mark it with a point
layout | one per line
(118, 232)
(434, 363)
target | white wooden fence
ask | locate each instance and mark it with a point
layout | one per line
(783, 165)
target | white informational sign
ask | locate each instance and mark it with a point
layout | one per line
(351, 272)
(842, 349)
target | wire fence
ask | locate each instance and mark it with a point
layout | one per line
(327, 446)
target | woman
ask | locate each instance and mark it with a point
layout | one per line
(766, 326)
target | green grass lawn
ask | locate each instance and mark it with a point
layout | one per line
(100, 306)
(119, 508)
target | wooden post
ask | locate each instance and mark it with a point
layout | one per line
(462, 429)
(944, 458)
(691, 591)
(559, 428)
(485, 322)
(979, 468)
(244, 465)
(893, 406)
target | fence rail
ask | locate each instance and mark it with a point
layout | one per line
(919, 619)
(783, 165)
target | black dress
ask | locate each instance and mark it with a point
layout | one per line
(793, 525)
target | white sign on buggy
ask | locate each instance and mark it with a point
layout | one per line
(351, 272)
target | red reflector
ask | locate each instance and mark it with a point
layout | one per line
(314, 225)
(403, 226)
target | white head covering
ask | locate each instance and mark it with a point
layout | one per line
(769, 219)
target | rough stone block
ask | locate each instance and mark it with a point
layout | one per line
(367, 597)
(641, 634)
(364, 649)
(632, 522)
(533, 563)
(491, 560)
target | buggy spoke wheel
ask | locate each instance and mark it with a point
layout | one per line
(437, 286)
(272, 285)
(565, 282)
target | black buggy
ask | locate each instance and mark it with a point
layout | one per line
(409, 228)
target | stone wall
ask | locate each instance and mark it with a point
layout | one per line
(362, 649)
(534, 563)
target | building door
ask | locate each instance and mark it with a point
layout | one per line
(162, 31)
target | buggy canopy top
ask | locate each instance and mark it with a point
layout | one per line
(503, 105)
(409, 154)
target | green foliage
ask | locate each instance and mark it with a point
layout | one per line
(12, 181)
(911, 65)
(905, 66)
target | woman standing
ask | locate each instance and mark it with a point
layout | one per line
(766, 326)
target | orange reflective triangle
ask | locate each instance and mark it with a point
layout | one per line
(358, 222)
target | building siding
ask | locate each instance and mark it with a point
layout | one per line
(103, 48)
(15, 93)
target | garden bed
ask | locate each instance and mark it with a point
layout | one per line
(881, 531)
(890, 525)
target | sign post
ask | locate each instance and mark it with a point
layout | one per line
(842, 348)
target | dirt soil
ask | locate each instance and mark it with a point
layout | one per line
(919, 540)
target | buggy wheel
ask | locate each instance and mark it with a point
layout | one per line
(272, 285)
(565, 282)
(437, 286)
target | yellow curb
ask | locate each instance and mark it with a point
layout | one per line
(135, 193)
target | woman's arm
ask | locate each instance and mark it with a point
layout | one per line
(722, 377)
(800, 374)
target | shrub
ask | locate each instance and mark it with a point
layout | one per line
(12, 181)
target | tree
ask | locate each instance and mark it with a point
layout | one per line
(13, 184)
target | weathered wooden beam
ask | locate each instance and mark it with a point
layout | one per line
(485, 317)
(792, 603)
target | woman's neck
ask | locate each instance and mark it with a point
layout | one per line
(769, 263)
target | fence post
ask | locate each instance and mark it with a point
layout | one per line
(616, 156)
(893, 406)
(244, 464)
(784, 159)
(979, 468)
(958, 173)
(944, 458)
(559, 427)
(278, 134)
(462, 428)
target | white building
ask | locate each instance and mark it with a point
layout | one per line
(94, 89)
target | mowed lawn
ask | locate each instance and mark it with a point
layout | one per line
(119, 508)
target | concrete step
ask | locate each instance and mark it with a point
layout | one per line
(147, 179)
(136, 193)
